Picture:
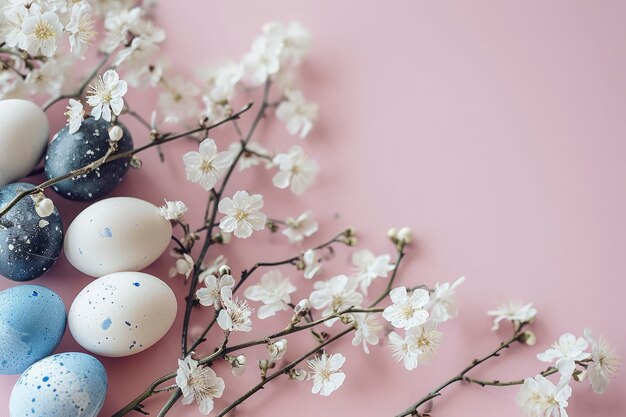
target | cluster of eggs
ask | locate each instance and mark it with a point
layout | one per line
(121, 313)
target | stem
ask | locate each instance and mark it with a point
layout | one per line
(170, 403)
(217, 196)
(496, 383)
(282, 371)
(412, 410)
(110, 158)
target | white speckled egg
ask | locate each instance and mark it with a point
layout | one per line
(116, 234)
(64, 385)
(23, 138)
(122, 314)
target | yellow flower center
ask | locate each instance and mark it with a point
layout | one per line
(241, 214)
(43, 31)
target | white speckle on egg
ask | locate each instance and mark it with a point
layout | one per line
(122, 314)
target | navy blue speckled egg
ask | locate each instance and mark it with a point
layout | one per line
(32, 323)
(68, 152)
(64, 385)
(29, 244)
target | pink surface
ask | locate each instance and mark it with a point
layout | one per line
(493, 129)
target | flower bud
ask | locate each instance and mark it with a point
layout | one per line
(392, 234)
(405, 235)
(350, 232)
(346, 319)
(528, 338)
(350, 241)
(224, 270)
(277, 349)
(115, 133)
(237, 364)
(135, 162)
(302, 308)
(44, 207)
(298, 374)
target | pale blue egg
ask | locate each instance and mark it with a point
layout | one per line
(64, 385)
(32, 323)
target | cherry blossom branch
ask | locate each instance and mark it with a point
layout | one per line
(496, 383)
(215, 198)
(461, 376)
(224, 350)
(283, 371)
(110, 157)
(246, 274)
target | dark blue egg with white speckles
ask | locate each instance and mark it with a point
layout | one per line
(64, 385)
(70, 151)
(32, 323)
(29, 244)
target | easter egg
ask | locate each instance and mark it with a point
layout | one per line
(32, 323)
(70, 151)
(116, 234)
(23, 138)
(122, 314)
(64, 385)
(29, 244)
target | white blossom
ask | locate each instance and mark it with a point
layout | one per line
(75, 114)
(235, 316)
(442, 305)
(295, 40)
(173, 210)
(407, 310)
(199, 384)
(242, 214)
(48, 78)
(418, 346)
(178, 100)
(118, 24)
(106, 96)
(222, 79)
(367, 329)
(212, 293)
(80, 28)
(14, 18)
(369, 266)
(273, 291)
(263, 60)
(212, 268)
(182, 266)
(300, 227)
(335, 294)
(514, 312)
(297, 114)
(604, 363)
(566, 351)
(41, 32)
(311, 263)
(326, 373)
(295, 169)
(207, 166)
(539, 397)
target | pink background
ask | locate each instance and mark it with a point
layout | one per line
(493, 129)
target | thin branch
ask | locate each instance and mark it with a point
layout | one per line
(108, 158)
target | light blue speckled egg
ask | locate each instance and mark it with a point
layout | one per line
(64, 385)
(32, 323)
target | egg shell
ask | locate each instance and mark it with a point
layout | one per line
(29, 244)
(70, 151)
(23, 138)
(122, 314)
(116, 234)
(32, 323)
(64, 385)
